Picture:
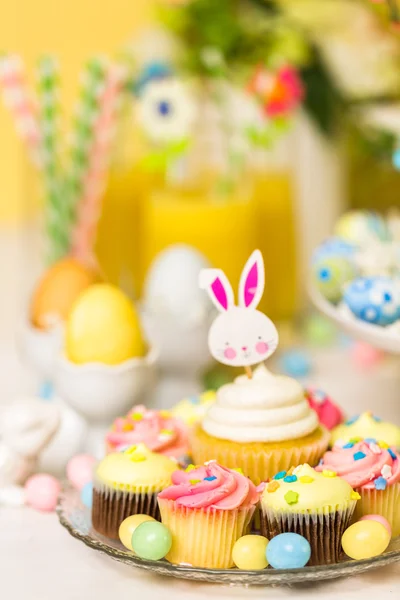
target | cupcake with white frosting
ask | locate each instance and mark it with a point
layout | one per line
(262, 425)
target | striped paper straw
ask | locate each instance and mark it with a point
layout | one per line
(89, 208)
(49, 111)
(83, 132)
(20, 103)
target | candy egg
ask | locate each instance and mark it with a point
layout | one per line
(128, 526)
(296, 363)
(378, 519)
(151, 540)
(87, 495)
(249, 553)
(334, 247)
(103, 327)
(80, 470)
(57, 291)
(361, 227)
(288, 551)
(42, 491)
(330, 274)
(374, 300)
(365, 539)
(319, 331)
(366, 356)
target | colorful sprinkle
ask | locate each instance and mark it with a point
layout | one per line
(211, 478)
(127, 426)
(377, 419)
(291, 497)
(194, 481)
(380, 483)
(189, 468)
(359, 455)
(165, 414)
(290, 478)
(136, 416)
(375, 449)
(273, 486)
(291, 471)
(386, 472)
(352, 420)
(355, 440)
(329, 473)
(355, 495)
(280, 475)
(306, 479)
(348, 445)
(238, 470)
(392, 454)
(370, 440)
(166, 432)
(383, 445)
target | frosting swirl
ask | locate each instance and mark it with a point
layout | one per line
(158, 430)
(367, 425)
(365, 464)
(266, 408)
(210, 486)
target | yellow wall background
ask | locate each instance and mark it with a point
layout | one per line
(71, 30)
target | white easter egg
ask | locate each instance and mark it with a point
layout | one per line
(172, 287)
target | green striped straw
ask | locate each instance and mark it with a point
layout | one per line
(83, 132)
(48, 82)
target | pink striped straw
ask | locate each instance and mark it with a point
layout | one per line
(89, 206)
(19, 101)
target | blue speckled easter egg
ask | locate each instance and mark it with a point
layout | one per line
(334, 247)
(295, 363)
(330, 274)
(374, 299)
(360, 226)
(288, 551)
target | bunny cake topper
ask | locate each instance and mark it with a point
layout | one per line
(240, 336)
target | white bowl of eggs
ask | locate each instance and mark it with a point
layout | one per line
(106, 366)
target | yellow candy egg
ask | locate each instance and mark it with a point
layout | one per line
(249, 553)
(103, 326)
(128, 526)
(365, 539)
(57, 291)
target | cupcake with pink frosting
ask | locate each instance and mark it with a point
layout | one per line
(158, 430)
(207, 509)
(372, 468)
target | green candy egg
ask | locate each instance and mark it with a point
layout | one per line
(151, 540)
(330, 274)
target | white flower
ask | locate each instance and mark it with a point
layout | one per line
(166, 110)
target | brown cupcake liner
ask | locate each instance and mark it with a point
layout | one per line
(111, 507)
(381, 502)
(204, 537)
(258, 465)
(323, 530)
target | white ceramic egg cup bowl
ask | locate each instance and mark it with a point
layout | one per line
(99, 393)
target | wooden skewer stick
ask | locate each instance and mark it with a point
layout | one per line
(248, 372)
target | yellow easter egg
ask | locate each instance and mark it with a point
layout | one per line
(128, 526)
(249, 553)
(103, 326)
(57, 291)
(365, 539)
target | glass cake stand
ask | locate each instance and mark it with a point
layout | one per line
(76, 519)
(380, 337)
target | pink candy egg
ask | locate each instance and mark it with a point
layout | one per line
(41, 492)
(366, 356)
(80, 470)
(379, 519)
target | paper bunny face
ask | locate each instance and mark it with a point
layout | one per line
(240, 336)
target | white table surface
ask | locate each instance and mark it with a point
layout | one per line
(39, 560)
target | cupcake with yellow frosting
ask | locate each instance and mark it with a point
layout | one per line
(365, 426)
(318, 506)
(127, 483)
(262, 425)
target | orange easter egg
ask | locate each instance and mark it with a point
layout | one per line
(58, 289)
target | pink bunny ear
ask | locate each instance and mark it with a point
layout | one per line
(252, 281)
(216, 283)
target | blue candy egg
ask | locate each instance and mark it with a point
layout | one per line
(87, 495)
(296, 363)
(374, 299)
(330, 274)
(288, 551)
